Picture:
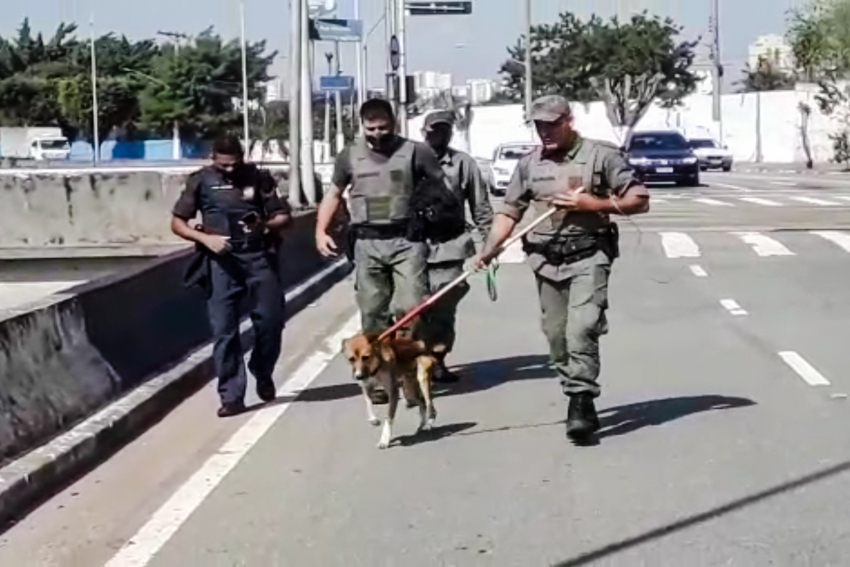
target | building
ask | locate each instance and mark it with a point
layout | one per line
(274, 90)
(775, 50)
(481, 90)
(432, 80)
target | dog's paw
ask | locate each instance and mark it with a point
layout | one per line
(374, 421)
(383, 444)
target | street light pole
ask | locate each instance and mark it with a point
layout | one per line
(340, 138)
(295, 102)
(95, 126)
(528, 74)
(175, 132)
(402, 66)
(307, 169)
(244, 82)
(361, 71)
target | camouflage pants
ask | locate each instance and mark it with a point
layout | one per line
(573, 318)
(391, 279)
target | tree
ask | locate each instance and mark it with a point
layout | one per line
(765, 77)
(628, 66)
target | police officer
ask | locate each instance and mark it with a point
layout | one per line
(383, 170)
(446, 259)
(242, 215)
(572, 252)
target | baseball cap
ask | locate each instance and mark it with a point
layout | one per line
(549, 108)
(439, 117)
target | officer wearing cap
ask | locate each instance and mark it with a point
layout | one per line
(384, 171)
(572, 252)
(242, 215)
(446, 259)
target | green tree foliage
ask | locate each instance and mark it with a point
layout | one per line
(765, 77)
(627, 65)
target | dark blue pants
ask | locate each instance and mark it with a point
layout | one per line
(235, 276)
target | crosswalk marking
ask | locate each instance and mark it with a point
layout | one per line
(727, 186)
(679, 245)
(714, 202)
(732, 307)
(698, 271)
(764, 245)
(760, 201)
(839, 238)
(814, 201)
(805, 370)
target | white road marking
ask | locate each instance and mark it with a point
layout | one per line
(727, 186)
(806, 371)
(679, 245)
(167, 520)
(714, 202)
(760, 201)
(698, 271)
(732, 307)
(815, 201)
(513, 254)
(654, 200)
(842, 197)
(764, 245)
(785, 183)
(842, 239)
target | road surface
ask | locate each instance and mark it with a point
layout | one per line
(724, 410)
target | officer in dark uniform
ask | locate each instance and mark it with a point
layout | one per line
(242, 216)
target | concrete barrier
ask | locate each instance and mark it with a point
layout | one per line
(65, 357)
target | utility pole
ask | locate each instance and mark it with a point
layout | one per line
(402, 67)
(717, 74)
(361, 60)
(528, 75)
(340, 137)
(307, 169)
(295, 102)
(244, 82)
(175, 130)
(329, 56)
(95, 126)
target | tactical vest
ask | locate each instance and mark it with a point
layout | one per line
(547, 178)
(224, 203)
(380, 192)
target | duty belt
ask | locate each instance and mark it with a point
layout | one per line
(567, 249)
(248, 244)
(380, 231)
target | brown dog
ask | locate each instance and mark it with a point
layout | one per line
(390, 363)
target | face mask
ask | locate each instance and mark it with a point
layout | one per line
(381, 142)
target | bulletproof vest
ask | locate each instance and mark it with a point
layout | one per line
(547, 178)
(381, 185)
(224, 202)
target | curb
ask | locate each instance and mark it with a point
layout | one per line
(34, 477)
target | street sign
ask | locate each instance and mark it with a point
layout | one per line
(439, 8)
(395, 53)
(337, 83)
(320, 7)
(339, 30)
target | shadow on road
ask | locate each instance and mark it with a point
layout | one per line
(437, 432)
(625, 419)
(487, 374)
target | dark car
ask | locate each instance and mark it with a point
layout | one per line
(663, 156)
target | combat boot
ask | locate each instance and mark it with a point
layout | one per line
(582, 421)
(442, 375)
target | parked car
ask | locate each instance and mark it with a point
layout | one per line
(505, 159)
(663, 156)
(711, 154)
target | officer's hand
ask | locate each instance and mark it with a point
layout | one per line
(573, 200)
(477, 263)
(216, 243)
(326, 245)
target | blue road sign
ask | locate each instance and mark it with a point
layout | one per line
(338, 30)
(338, 83)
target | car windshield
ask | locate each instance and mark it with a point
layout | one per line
(702, 144)
(658, 142)
(59, 144)
(514, 152)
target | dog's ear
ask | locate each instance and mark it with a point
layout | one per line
(387, 353)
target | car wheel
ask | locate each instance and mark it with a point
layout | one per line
(727, 167)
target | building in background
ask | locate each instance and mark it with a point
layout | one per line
(775, 50)
(274, 90)
(481, 91)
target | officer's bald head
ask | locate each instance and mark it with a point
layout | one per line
(553, 119)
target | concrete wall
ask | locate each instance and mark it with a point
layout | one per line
(778, 130)
(64, 357)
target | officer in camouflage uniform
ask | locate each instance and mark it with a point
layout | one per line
(572, 252)
(383, 170)
(446, 259)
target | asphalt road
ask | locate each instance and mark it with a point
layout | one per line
(725, 413)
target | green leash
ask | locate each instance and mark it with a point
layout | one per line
(491, 280)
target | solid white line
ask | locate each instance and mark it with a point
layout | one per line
(840, 238)
(714, 202)
(679, 245)
(842, 197)
(727, 186)
(168, 519)
(760, 201)
(698, 271)
(658, 200)
(806, 371)
(785, 183)
(732, 307)
(764, 245)
(814, 201)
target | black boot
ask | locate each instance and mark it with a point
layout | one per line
(443, 375)
(582, 421)
(231, 408)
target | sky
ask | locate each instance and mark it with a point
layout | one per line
(468, 47)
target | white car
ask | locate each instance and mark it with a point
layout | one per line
(505, 159)
(711, 154)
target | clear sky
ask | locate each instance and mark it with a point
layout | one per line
(466, 46)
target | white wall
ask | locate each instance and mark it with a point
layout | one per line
(780, 119)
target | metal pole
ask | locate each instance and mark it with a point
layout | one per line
(95, 127)
(244, 82)
(361, 70)
(340, 137)
(528, 75)
(307, 169)
(402, 67)
(715, 54)
(295, 102)
(329, 56)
